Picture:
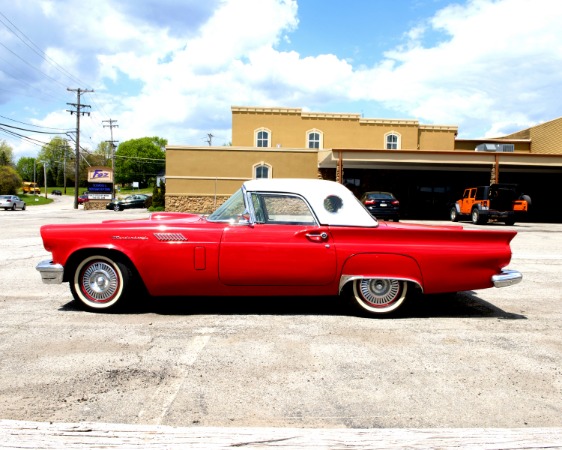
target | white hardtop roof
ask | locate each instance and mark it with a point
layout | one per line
(351, 213)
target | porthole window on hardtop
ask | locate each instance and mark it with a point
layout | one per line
(333, 203)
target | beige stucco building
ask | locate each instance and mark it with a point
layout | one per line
(424, 165)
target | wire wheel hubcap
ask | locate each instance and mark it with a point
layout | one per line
(100, 282)
(379, 292)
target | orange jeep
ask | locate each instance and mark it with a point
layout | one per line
(496, 202)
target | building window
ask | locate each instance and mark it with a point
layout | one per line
(262, 170)
(392, 141)
(314, 139)
(262, 137)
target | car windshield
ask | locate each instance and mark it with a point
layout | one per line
(229, 210)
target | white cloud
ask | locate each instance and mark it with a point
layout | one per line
(498, 56)
(490, 67)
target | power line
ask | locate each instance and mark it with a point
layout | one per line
(30, 124)
(30, 65)
(34, 48)
(31, 131)
(25, 138)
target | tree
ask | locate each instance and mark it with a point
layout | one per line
(10, 181)
(6, 154)
(58, 156)
(102, 155)
(140, 160)
(26, 168)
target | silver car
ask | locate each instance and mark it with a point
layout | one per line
(11, 202)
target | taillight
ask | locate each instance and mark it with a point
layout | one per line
(369, 202)
(395, 202)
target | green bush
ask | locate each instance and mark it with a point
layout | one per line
(10, 181)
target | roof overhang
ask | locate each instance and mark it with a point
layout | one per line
(365, 158)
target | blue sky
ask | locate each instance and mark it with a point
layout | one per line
(174, 68)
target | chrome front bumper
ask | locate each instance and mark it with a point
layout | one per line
(50, 273)
(507, 278)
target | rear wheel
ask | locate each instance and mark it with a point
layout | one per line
(478, 218)
(100, 282)
(379, 295)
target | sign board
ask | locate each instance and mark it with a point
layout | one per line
(100, 174)
(99, 196)
(100, 191)
(100, 183)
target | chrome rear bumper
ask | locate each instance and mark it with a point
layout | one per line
(50, 273)
(507, 278)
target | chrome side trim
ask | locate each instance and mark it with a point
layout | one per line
(50, 273)
(347, 278)
(507, 278)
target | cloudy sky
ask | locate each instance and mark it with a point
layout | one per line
(174, 68)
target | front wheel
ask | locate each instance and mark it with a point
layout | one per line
(116, 208)
(454, 215)
(100, 282)
(379, 295)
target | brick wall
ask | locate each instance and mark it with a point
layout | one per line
(194, 203)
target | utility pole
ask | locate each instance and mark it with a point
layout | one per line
(111, 126)
(78, 113)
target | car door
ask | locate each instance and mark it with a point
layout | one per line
(285, 247)
(468, 201)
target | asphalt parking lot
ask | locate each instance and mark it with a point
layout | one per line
(489, 358)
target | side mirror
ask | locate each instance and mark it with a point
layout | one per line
(244, 218)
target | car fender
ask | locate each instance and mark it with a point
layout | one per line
(381, 265)
(113, 251)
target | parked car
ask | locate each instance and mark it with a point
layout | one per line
(274, 237)
(129, 202)
(11, 202)
(382, 205)
(500, 202)
(83, 199)
(56, 192)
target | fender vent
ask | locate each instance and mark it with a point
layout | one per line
(167, 237)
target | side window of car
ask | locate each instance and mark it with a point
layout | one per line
(282, 209)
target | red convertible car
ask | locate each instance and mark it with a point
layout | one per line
(274, 237)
